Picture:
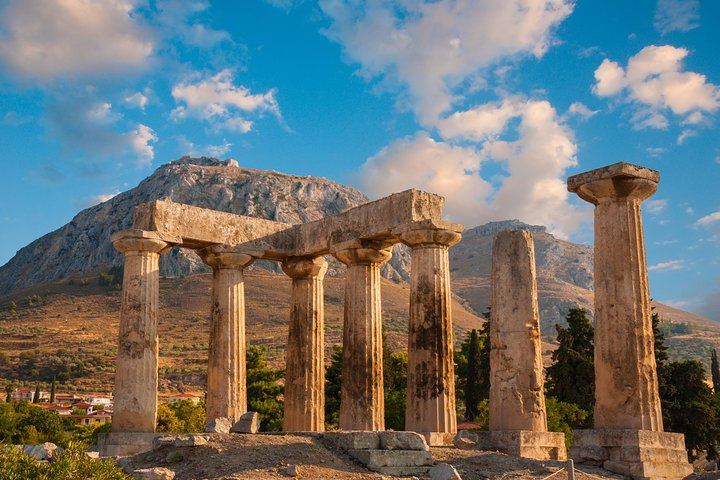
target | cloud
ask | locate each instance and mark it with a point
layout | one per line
(87, 202)
(581, 110)
(193, 150)
(84, 123)
(668, 266)
(426, 50)
(655, 83)
(709, 219)
(684, 135)
(48, 173)
(178, 19)
(530, 187)
(655, 151)
(224, 105)
(655, 206)
(137, 100)
(14, 119)
(676, 16)
(44, 39)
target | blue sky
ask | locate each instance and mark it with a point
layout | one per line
(491, 103)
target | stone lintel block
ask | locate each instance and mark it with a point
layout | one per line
(620, 169)
(392, 458)
(354, 440)
(117, 444)
(628, 438)
(180, 440)
(524, 443)
(410, 231)
(439, 439)
(403, 441)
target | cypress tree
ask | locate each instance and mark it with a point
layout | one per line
(484, 374)
(474, 380)
(571, 377)
(715, 371)
(36, 397)
(52, 391)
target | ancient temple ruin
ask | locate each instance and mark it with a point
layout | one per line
(361, 238)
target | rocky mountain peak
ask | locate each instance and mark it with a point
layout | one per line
(492, 228)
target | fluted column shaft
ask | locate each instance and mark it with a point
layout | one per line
(226, 390)
(362, 405)
(136, 375)
(626, 384)
(517, 399)
(305, 369)
(431, 372)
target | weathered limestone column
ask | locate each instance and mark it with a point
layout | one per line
(136, 375)
(226, 391)
(626, 392)
(431, 373)
(628, 436)
(362, 406)
(305, 371)
(517, 401)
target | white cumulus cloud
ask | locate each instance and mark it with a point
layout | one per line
(428, 49)
(44, 39)
(655, 82)
(655, 206)
(668, 266)
(530, 187)
(217, 100)
(709, 219)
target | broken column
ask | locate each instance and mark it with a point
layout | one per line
(136, 374)
(305, 371)
(518, 422)
(431, 373)
(628, 417)
(362, 405)
(226, 391)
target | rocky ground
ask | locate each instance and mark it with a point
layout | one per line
(267, 456)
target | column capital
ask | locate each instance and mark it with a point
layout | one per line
(615, 182)
(223, 256)
(304, 267)
(361, 252)
(139, 241)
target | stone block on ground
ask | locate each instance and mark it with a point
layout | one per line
(292, 471)
(402, 471)
(466, 440)
(439, 439)
(444, 471)
(249, 423)
(354, 440)
(524, 443)
(402, 441)
(392, 458)
(157, 473)
(219, 425)
(114, 444)
(44, 451)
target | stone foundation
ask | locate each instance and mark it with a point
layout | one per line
(640, 454)
(438, 439)
(388, 453)
(121, 444)
(524, 443)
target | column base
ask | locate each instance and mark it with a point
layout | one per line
(524, 443)
(640, 454)
(439, 439)
(122, 444)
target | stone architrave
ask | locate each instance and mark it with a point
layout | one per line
(362, 405)
(305, 371)
(226, 390)
(517, 401)
(431, 373)
(136, 375)
(626, 385)
(628, 436)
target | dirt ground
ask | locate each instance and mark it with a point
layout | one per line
(264, 456)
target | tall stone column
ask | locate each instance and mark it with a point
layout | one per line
(517, 400)
(628, 436)
(362, 405)
(136, 375)
(226, 390)
(626, 392)
(431, 373)
(305, 371)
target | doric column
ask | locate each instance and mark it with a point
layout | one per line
(517, 400)
(226, 390)
(136, 375)
(305, 371)
(431, 373)
(626, 385)
(362, 405)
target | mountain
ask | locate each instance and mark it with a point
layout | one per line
(83, 245)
